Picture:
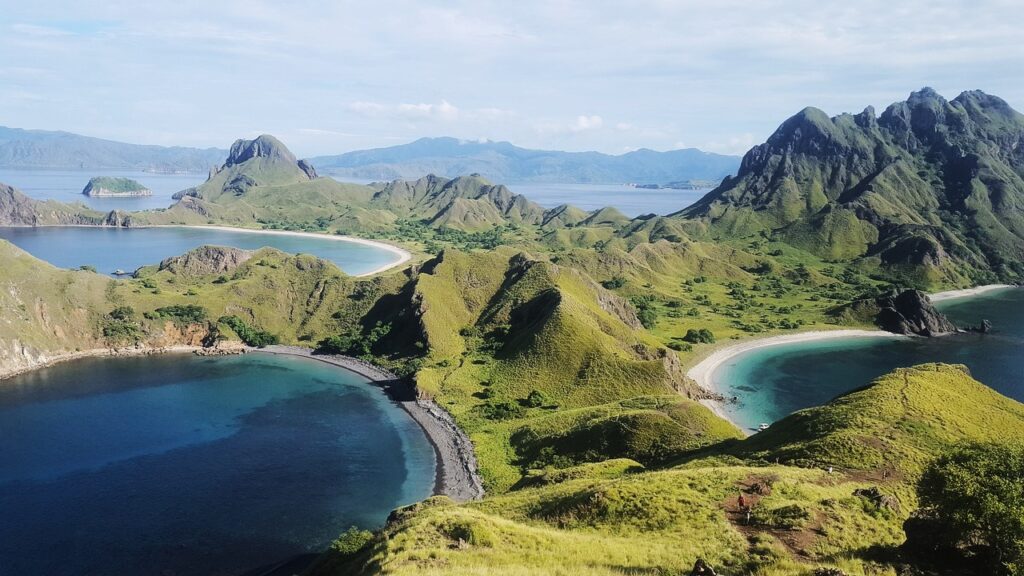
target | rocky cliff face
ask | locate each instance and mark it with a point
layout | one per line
(16, 209)
(911, 312)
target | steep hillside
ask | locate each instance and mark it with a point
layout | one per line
(617, 517)
(505, 339)
(931, 186)
(502, 161)
(44, 149)
(56, 312)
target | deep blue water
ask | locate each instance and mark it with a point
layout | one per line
(110, 249)
(186, 465)
(775, 381)
(66, 186)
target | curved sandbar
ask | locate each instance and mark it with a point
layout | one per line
(457, 475)
(403, 255)
(952, 294)
(703, 372)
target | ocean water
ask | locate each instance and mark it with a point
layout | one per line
(775, 381)
(196, 466)
(110, 249)
(630, 201)
(66, 186)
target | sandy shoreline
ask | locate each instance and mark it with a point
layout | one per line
(953, 294)
(457, 475)
(403, 255)
(703, 372)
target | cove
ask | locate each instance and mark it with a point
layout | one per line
(184, 465)
(110, 249)
(775, 381)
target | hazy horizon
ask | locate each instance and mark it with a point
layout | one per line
(328, 78)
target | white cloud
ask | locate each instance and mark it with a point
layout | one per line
(586, 123)
(444, 111)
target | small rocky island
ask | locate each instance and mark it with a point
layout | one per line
(106, 186)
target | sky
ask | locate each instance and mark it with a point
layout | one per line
(332, 76)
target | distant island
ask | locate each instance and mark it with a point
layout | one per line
(106, 186)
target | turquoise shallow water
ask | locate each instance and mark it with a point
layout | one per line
(110, 249)
(775, 381)
(187, 465)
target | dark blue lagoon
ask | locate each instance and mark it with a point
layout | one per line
(775, 381)
(110, 249)
(186, 465)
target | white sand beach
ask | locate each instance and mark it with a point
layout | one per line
(952, 294)
(703, 372)
(403, 255)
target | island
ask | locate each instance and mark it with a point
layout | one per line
(107, 186)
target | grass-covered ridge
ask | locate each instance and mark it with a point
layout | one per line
(617, 517)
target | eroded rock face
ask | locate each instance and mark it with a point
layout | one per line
(911, 312)
(206, 260)
(266, 146)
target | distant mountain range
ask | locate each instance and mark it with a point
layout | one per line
(64, 150)
(504, 162)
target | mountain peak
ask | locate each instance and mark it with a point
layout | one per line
(265, 146)
(269, 147)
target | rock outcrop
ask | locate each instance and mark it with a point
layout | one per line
(265, 146)
(206, 260)
(911, 312)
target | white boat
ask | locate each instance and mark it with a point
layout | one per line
(764, 426)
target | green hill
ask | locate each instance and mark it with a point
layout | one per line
(931, 186)
(616, 517)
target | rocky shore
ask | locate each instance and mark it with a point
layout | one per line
(46, 360)
(457, 475)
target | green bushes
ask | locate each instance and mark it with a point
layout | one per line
(975, 493)
(120, 326)
(187, 314)
(250, 335)
(699, 336)
(503, 410)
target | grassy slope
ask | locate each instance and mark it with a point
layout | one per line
(614, 518)
(501, 325)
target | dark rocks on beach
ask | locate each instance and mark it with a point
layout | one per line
(911, 312)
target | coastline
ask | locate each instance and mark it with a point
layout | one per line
(456, 475)
(403, 254)
(966, 292)
(46, 362)
(703, 372)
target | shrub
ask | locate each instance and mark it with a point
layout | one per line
(975, 492)
(699, 336)
(250, 335)
(502, 410)
(535, 399)
(187, 314)
(616, 282)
